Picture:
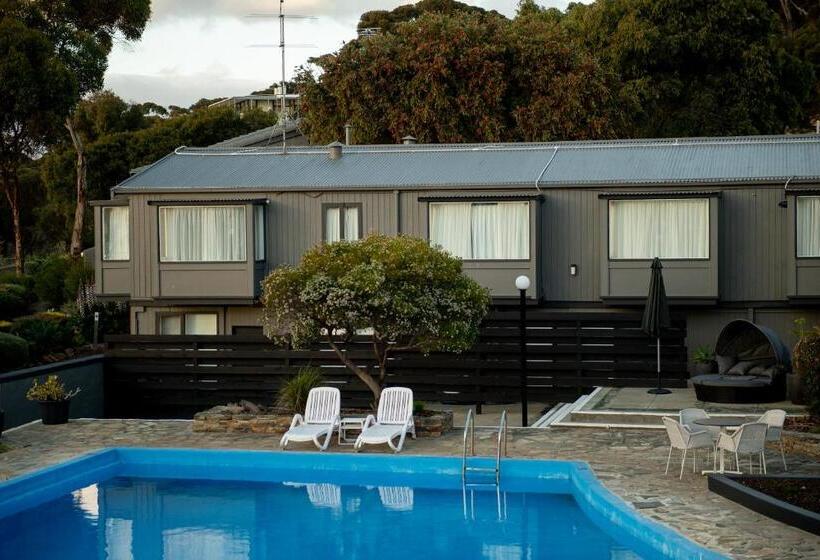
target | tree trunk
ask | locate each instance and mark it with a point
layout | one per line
(11, 187)
(79, 210)
(368, 380)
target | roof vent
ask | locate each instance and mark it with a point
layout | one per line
(407, 140)
(334, 150)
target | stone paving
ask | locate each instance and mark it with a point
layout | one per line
(629, 462)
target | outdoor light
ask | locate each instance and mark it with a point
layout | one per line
(573, 270)
(522, 282)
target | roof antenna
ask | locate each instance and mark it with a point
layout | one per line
(283, 119)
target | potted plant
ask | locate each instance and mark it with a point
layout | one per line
(804, 382)
(53, 398)
(704, 359)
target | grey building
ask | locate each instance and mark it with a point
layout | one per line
(736, 222)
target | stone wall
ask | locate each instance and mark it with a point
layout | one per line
(238, 419)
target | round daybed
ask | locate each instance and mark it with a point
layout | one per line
(752, 364)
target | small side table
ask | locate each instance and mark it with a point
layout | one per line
(353, 423)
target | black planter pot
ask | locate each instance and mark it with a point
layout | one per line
(703, 368)
(54, 412)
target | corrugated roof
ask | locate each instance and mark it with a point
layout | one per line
(617, 162)
(263, 137)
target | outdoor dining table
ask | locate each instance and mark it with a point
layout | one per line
(724, 423)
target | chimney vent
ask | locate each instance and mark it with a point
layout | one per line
(334, 150)
(408, 140)
(348, 134)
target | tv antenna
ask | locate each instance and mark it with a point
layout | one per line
(282, 85)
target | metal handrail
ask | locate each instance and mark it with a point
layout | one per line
(502, 443)
(469, 429)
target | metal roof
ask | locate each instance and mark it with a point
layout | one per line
(753, 159)
(262, 137)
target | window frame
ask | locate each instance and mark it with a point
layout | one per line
(264, 214)
(709, 249)
(474, 202)
(182, 314)
(161, 206)
(341, 206)
(797, 228)
(103, 211)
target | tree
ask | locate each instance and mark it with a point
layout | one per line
(411, 295)
(82, 33)
(36, 91)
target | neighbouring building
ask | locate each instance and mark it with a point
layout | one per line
(736, 222)
(261, 101)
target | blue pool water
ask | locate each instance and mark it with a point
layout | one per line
(181, 505)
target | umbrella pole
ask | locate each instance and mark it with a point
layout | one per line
(659, 390)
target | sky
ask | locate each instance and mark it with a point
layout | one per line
(201, 48)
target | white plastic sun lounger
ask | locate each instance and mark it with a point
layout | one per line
(394, 419)
(396, 498)
(321, 418)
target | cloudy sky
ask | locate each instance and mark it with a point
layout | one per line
(200, 48)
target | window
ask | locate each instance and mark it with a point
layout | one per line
(188, 323)
(342, 223)
(259, 233)
(115, 233)
(482, 231)
(808, 226)
(665, 228)
(202, 233)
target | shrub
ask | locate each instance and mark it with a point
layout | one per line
(703, 355)
(45, 333)
(78, 274)
(50, 280)
(419, 407)
(293, 393)
(13, 351)
(114, 318)
(12, 300)
(24, 280)
(52, 389)
(806, 363)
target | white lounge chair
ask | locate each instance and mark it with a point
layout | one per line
(749, 439)
(681, 437)
(396, 498)
(775, 419)
(394, 419)
(321, 418)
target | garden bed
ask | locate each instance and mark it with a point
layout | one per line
(791, 499)
(249, 418)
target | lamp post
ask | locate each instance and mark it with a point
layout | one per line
(523, 283)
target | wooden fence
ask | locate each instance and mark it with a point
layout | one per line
(175, 376)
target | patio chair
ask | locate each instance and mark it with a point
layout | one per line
(775, 419)
(681, 437)
(321, 418)
(749, 439)
(394, 419)
(688, 417)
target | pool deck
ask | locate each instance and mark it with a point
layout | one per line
(629, 462)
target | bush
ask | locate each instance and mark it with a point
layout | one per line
(806, 363)
(45, 333)
(294, 392)
(114, 319)
(50, 280)
(12, 300)
(23, 280)
(13, 351)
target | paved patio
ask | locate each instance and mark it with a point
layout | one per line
(628, 462)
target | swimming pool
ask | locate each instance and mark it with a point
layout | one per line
(123, 504)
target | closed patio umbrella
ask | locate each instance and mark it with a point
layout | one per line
(656, 316)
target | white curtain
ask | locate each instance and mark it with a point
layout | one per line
(115, 233)
(200, 323)
(479, 231)
(202, 233)
(259, 233)
(665, 228)
(170, 324)
(351, 223)
(808, 226)
(333, 224)
(450, 228)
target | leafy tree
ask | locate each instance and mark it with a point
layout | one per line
(82, 33)
(388, 21)
(36, 91)
(411, 296)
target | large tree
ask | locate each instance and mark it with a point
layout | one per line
(406, 294)
(82, 33)
(36, 92)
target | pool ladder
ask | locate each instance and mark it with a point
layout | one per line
(469, 441)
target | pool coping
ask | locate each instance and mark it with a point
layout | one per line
(605, 508)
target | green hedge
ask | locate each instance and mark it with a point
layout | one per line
(45, 333)
(13, 301)
(13, 351)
